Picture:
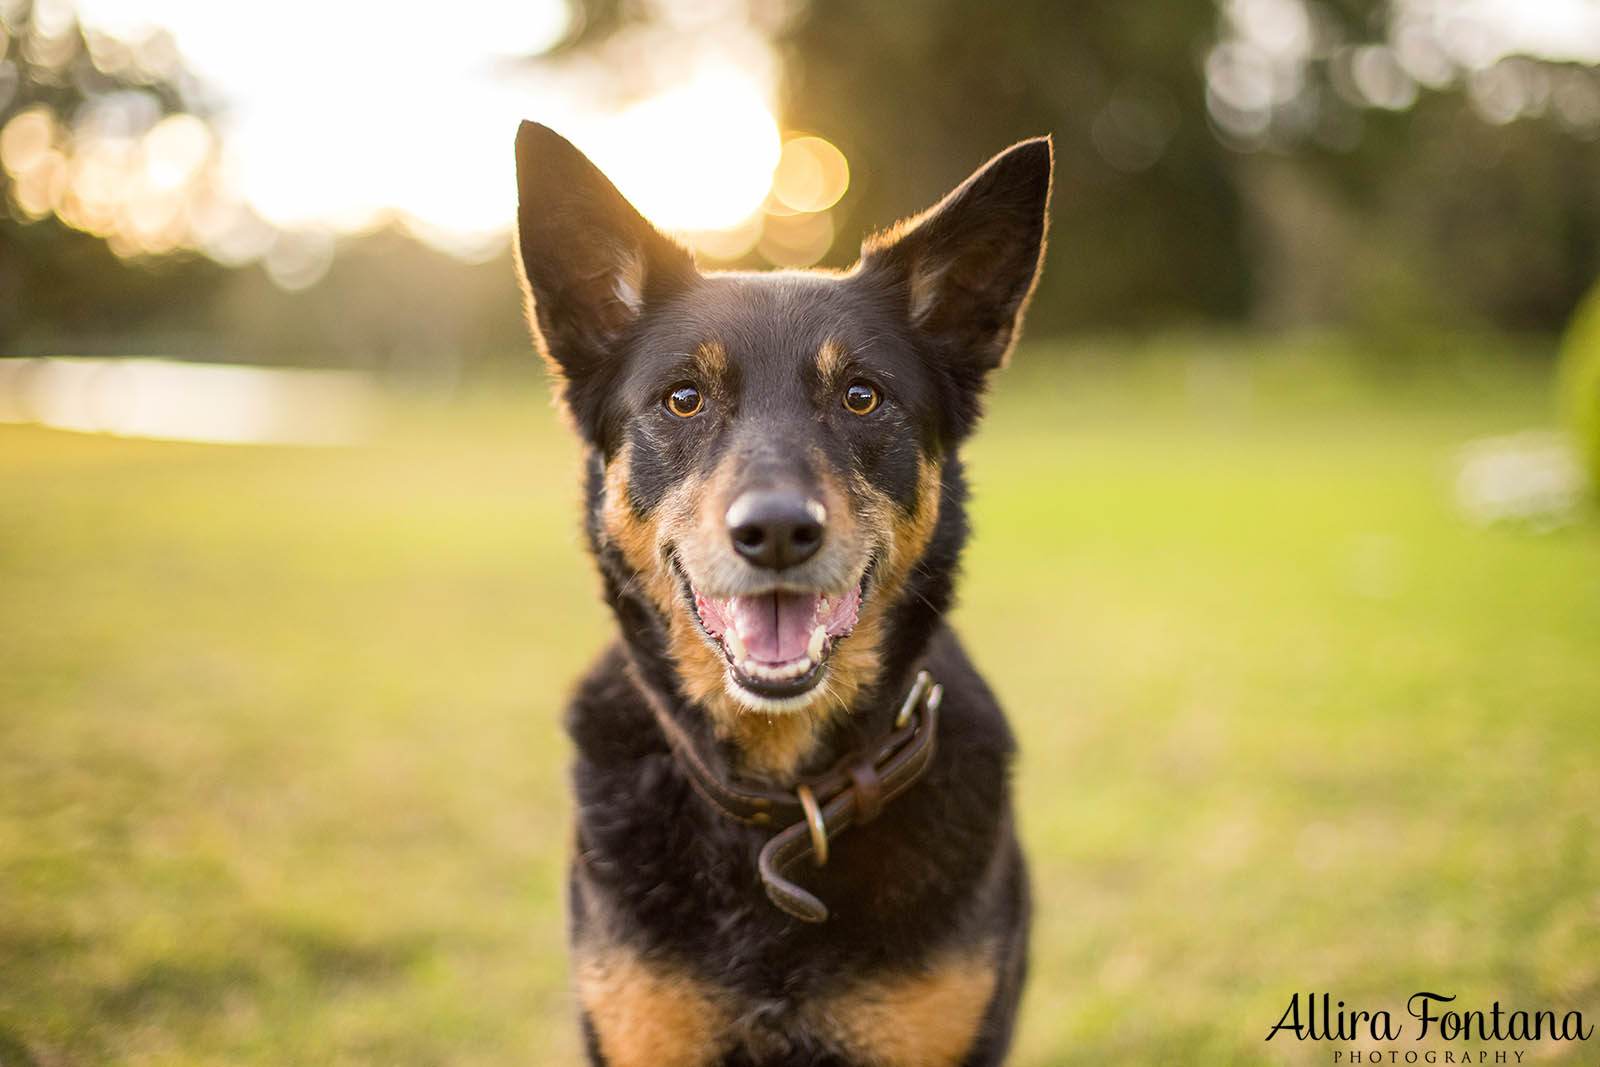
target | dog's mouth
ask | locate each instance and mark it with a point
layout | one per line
(777, 642)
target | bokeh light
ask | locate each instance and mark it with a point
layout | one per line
(285, 166)
(148, 184)
(174, 401)
(729, 243)
(696, 157)
(812, 175)
(1258, 93)
(796, 240)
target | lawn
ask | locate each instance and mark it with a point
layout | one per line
(282, 777)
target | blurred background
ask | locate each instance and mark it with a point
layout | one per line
(1286, 563)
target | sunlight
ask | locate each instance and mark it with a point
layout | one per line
(370, 142)
(1555, 29)
(172, 401)
(407, 119)
(696, 157)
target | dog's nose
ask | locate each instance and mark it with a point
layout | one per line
(775, 529)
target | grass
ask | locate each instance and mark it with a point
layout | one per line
(283, 779)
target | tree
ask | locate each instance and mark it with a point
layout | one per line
(58, 85)
(1285, 161)
(1145, 217)
(1408, 162)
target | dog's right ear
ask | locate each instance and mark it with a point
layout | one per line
(590, 263)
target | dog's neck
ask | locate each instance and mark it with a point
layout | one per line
(772, 750)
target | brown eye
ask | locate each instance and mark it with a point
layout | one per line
(861, 398)
(685, 400)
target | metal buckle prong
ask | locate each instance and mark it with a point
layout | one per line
(819, 829)
(919, 689)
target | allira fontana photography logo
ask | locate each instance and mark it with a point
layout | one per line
(1431, 1029)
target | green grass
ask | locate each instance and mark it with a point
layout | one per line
(282, 777)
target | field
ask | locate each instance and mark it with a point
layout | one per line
(282, 777)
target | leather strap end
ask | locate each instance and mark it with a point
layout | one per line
(795, 901)
(777, 854)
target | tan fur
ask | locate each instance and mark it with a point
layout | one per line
(855, 662)
(776, 746)
(771, 746)
(640, 540)
(831, 360)
(691, 516)
(918, 1020)
(635, 537)
(711, 360)
(648, 1014)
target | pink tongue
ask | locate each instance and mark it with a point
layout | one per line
(775, 627)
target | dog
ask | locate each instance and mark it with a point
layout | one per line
(794, 841)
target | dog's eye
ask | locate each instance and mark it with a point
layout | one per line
(685, 400)
(862, 398)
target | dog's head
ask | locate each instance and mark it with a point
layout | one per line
(768, 450)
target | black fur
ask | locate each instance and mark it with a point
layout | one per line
(930, 312)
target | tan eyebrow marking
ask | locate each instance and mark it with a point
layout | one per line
(831, 359)
(711, 360)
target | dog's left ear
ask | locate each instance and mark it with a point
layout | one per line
(966, 267)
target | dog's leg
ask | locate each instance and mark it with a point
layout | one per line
(640, 1012)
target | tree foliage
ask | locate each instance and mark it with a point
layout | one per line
(1146, 221)
(1346, 168)
(54, 279)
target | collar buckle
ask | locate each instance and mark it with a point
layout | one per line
(851, 796)
(814, 823)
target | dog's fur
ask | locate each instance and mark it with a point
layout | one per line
(680, 959)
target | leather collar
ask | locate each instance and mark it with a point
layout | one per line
(820, 808)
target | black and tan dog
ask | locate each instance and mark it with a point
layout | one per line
(794, 832)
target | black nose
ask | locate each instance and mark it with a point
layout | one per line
(776, 530)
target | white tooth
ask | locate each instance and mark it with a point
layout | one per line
(735, 645)
(822, 606)
(775, 672)
(818, 637)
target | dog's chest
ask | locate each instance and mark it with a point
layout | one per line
(646, 1010)
(679, 959)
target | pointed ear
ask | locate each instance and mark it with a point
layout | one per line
(966, 267)
(590, 263)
